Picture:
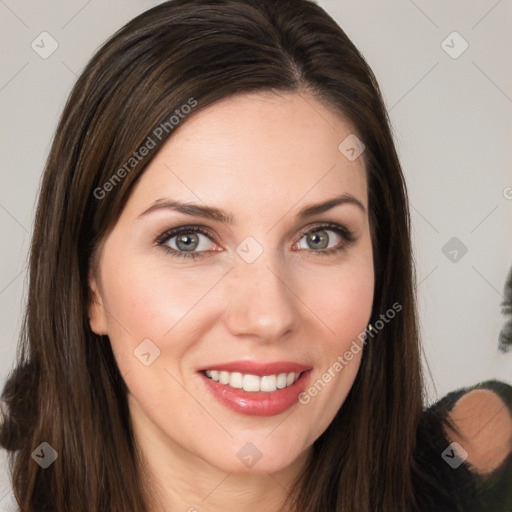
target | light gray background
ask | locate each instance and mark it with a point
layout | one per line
(452, 124)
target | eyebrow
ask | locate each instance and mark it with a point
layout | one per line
(217, 214)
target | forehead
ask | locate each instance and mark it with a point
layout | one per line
(256, 150)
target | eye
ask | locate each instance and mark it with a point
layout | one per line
(326, 239)
(195, 241)
(186, 241)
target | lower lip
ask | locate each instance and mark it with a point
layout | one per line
(258, 403)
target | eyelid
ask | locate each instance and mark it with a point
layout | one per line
(172, 232)
(329, 226)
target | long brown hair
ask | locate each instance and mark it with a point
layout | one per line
(66, 389)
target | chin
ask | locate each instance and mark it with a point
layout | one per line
(252, 458)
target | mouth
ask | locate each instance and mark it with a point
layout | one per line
(256, 389)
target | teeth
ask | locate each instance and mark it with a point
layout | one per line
(253, 383)
(281, 380)
(268, 383)
(235, 380)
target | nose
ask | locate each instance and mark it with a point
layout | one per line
(261, 301)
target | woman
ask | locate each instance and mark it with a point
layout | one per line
(221, 312)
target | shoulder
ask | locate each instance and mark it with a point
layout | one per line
(481, 423)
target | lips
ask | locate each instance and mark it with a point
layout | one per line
(278, 395)
(257, 368)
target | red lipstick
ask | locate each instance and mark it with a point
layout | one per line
(260, 369)
(258, 403)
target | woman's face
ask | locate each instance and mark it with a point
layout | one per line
(267, 290)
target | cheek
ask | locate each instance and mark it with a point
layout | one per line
(353, 300)
(342, 297)
(149, 298)
(145, 301)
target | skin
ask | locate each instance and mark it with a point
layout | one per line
(262, 157)
(485, 430)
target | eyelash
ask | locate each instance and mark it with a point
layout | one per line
(345, 233)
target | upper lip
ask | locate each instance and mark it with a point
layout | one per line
(257, 368)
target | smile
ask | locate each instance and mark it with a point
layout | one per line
(253, 383)
(255, 388)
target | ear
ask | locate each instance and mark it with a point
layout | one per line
(96, 309)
